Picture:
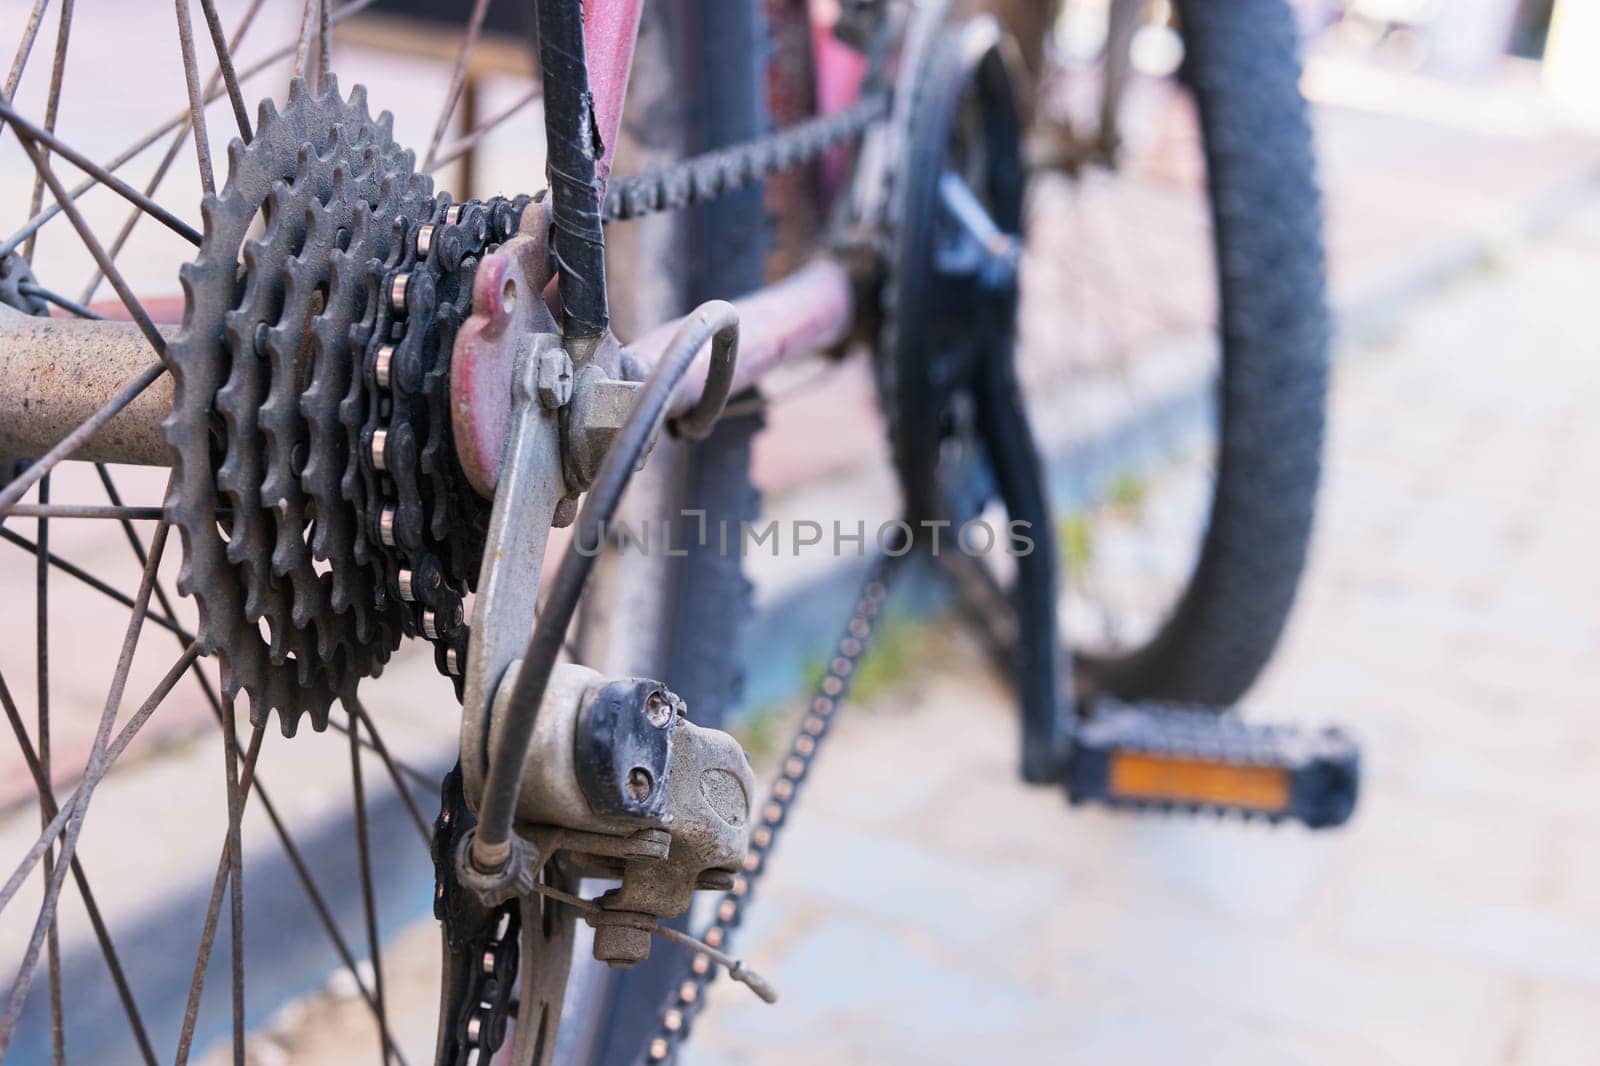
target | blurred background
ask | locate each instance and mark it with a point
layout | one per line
(925, 905)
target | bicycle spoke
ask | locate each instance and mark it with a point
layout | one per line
(63, 198)
(163, 597)
(112, 753)
(80, 805)
(320, 905)
(458, 80)
(84, 510)
(52, 107)
(69, 818)
(60, 301)
(208, 932)
(461, 147)
(392, 765)
(73, 570)
(197, 107)
(43, 135)
(173, 123)
(174, 149)
(304, 40)
(249, 784)
(230, 869)
(224, 50)
(325, 916)
(368, 900)
(90, 905)
(30, 33)
(324, 42)
(46, 794)
(230, 749)
(175, 146)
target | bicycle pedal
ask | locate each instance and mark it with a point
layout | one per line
(1194, 760)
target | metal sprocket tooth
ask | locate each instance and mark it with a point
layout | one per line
(315, 169)
(338, 532)
(290, 349)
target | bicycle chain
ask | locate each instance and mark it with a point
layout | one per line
(481, 942)
(430, 524)
(688, 995)
(717, 173)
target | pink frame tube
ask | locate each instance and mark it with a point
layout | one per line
(610, 31)
(809, 310)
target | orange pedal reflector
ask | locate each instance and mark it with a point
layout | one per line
(1137, 775)
(1156, 757)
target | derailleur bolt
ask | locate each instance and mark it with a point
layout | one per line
(659, 710)
(554, 382)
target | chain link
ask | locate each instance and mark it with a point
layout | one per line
(482, 944)
(725, 170)
(687, 996)
(429, 527)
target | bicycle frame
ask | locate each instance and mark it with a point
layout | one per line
(71, 369)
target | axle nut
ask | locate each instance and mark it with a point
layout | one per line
(621, 945)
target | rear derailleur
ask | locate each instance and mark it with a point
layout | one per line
(628, 790)
(617, 783)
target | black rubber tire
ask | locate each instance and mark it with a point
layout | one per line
(712, 600)
(1242, 67)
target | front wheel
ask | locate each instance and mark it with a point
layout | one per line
(1266, 393)
(1170, 348)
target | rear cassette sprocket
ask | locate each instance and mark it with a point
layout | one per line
(262, 493)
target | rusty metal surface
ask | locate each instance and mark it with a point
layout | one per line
(60, 371)
(610, 31)
(792, 196)
(485, 349)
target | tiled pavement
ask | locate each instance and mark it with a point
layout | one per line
(927, 908)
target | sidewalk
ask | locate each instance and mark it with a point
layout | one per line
(925, 907)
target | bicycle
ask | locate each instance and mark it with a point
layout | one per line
(379, 402)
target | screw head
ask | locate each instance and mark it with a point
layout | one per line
(640, 784)
(658, 709)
